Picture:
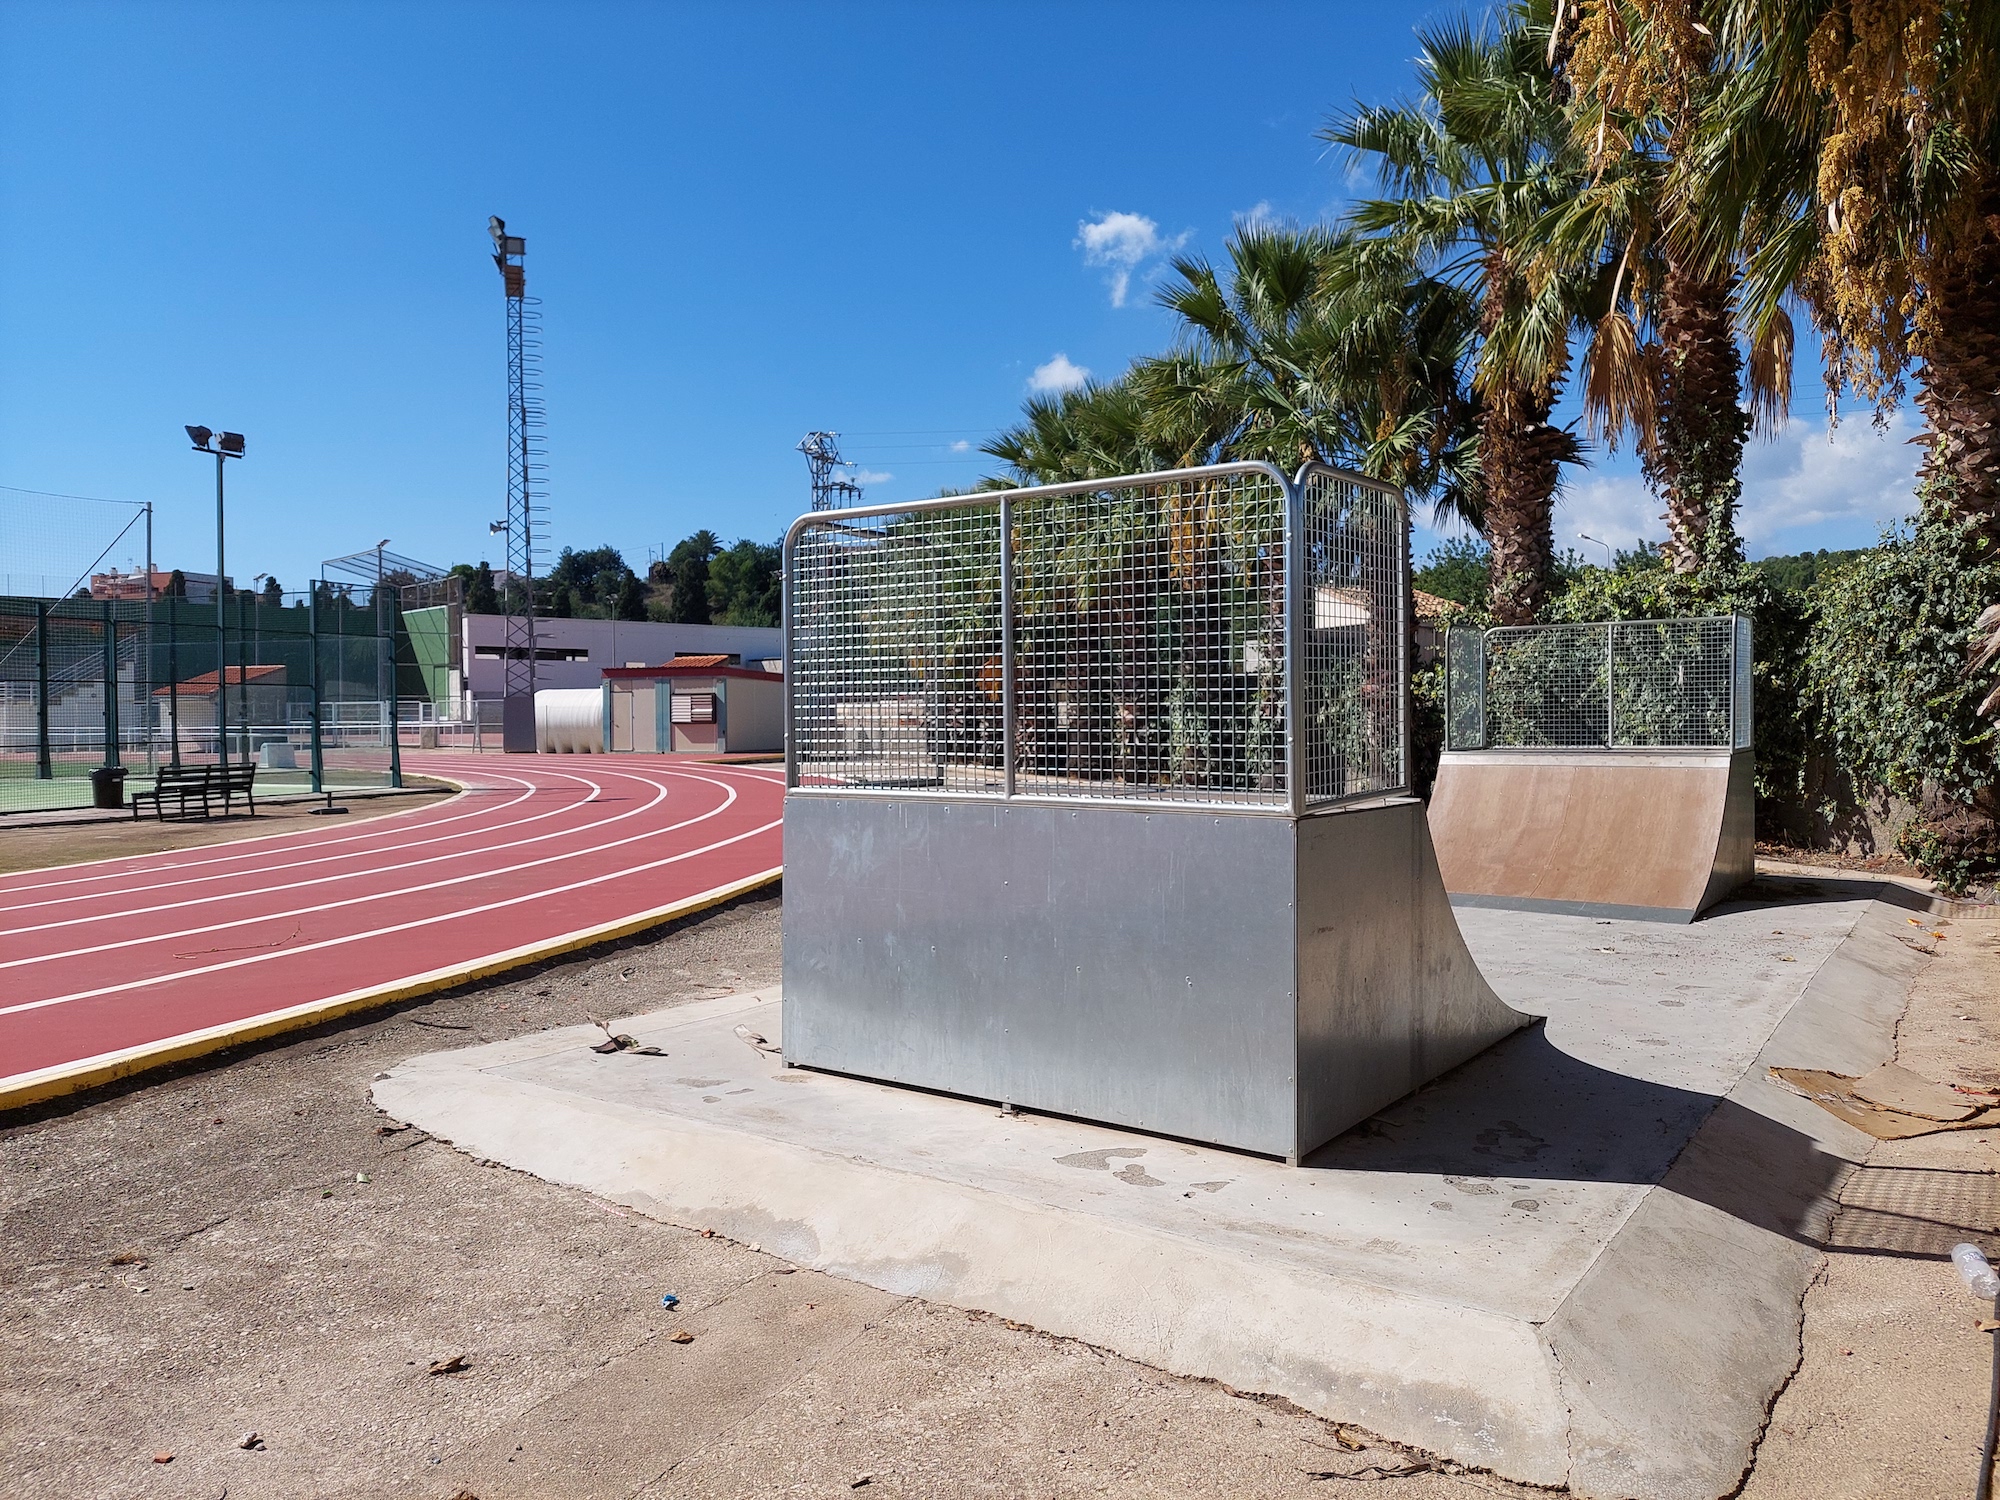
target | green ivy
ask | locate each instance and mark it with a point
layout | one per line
(1888, 674)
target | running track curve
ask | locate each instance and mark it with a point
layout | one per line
(113, 966)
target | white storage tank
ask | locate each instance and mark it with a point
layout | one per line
(569, 721)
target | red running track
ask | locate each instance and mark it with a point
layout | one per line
(123, 963)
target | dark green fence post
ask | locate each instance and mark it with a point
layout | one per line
(312, 675)
(174, 677)
(110, 685)
(44, 761)
(243, 677)
(44, 766)
(392, 615)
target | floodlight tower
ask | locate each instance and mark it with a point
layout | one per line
(822, 451)
(524, 431)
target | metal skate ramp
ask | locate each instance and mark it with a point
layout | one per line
(1598, 769)
(1646, 835)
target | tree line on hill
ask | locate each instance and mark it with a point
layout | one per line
(699, 582)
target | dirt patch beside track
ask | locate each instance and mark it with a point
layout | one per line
(42, 846)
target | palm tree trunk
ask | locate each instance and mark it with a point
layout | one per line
(1519, 454)
(1961, 394)
(1694, 463)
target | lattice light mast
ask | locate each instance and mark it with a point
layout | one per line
(822, 451)
(524, 431)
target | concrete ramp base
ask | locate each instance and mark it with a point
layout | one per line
(1577, 1260)
(1640, 835)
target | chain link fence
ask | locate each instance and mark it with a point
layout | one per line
(1219, 637)
(1621, 684)
(303, 686)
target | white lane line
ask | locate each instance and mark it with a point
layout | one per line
(268, 870)
(193, 859)
(408, 987)
(356, 937)
(411, 890)
(237, 849)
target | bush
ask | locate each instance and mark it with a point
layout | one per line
(1887, 670)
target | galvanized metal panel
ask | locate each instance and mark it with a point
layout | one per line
(1110, 963)
(1251, 981)
(1389, 996)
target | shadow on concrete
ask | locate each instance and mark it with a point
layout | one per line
(1526, 1111)
(1768, 891)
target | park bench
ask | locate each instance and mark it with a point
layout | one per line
(192, 787)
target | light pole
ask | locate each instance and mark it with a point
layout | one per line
(385, 668)
(224, 445)
(1584, 536)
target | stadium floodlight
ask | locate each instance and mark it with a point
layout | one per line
(223, 445)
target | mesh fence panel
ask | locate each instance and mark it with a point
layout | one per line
(1352, 667)
(54, 651)
(1465, 690)
(896, 651)
(1625, 684)
(277, 661)
(1148, 639)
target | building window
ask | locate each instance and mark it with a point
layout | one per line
(542, 653)
(694, 708)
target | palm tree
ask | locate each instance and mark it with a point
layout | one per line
(1310, 344)
(1093, 432)
(1641, 77)
(1323, 345)
(1471, 168)
(1856, 151)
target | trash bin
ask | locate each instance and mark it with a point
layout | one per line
(107, 786)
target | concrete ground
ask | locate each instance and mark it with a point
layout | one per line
(195, 1258)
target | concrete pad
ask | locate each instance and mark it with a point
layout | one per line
(1577, 1260)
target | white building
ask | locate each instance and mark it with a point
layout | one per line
(575, 653)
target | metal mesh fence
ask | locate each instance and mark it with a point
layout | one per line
(57, 721)
(897, 650)
(300, 686)
(1354, 667)
(1149, 640)
(1621, 684)
(1123, 640)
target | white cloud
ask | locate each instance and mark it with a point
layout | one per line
(1804, 489)
(1123, 242)
(870, 476)
(961, 446)
(1056, 376)
(1260, 215)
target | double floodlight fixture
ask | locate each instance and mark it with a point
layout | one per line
(225, 444)
(505, 243)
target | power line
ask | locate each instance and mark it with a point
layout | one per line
(57, 495)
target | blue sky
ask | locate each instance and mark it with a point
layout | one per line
(743, 222)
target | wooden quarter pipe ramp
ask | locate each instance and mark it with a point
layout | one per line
(1658, 835)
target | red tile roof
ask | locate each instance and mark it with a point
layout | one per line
(237, 676)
